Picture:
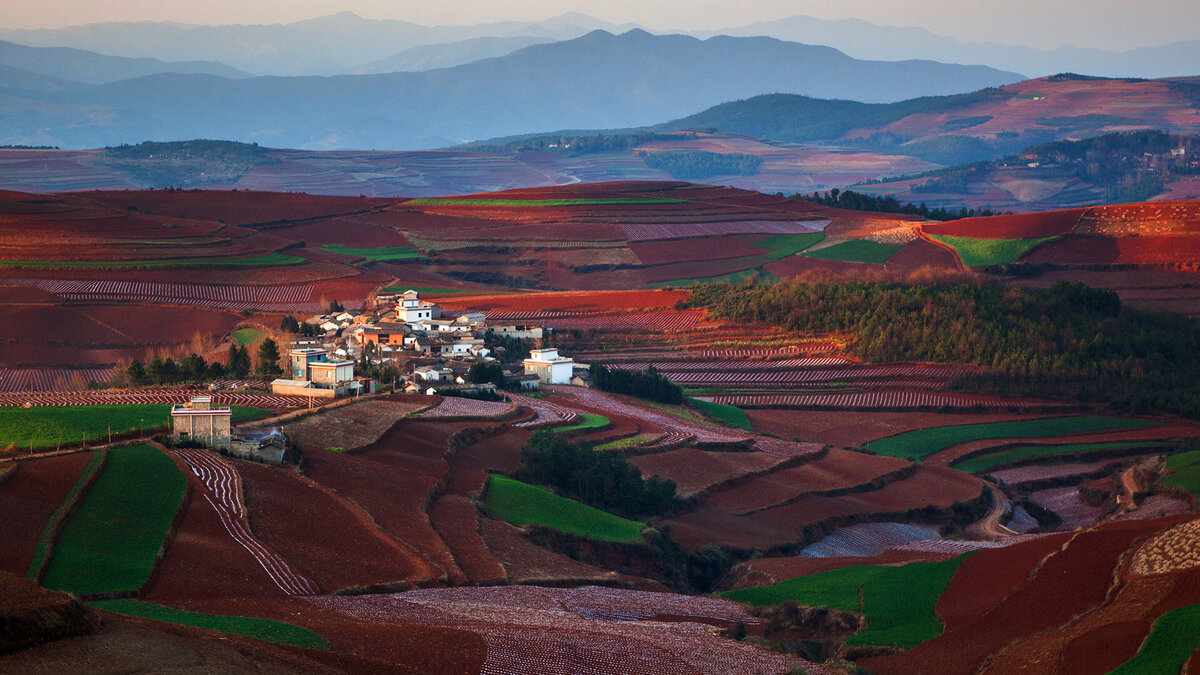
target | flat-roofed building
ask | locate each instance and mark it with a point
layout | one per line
(549, 366)
(200, 421)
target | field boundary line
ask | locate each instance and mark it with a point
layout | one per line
(44, 548)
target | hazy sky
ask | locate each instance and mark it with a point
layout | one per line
(1112, 24)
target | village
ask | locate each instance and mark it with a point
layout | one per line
(406, 340)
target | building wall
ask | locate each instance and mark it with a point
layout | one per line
(211, 430)
(293, 390)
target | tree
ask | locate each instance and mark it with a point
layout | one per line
(268, 359)
(136, 372)
(195, 367)
(335, 306)
(486, 372)
(289, 324)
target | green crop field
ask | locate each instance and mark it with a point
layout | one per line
(246, 336)
(627, 442)
(922, 442)
(982, 463)
(981, 252)
(731, 415)
(383, 253)
(524, 504)
(898, 601)
(47, 426)
(580, 201)
(783, 245)
(265, 260)
(586, 421)
(1185, 471)
(857, 250)
(110, 543)
(45, 540)
(268, 630)
(1175, 635)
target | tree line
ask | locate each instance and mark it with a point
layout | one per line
(648, 384)
(686, 165)
(604, 480)
(1068, 341)
(858, 201)
(194, 368)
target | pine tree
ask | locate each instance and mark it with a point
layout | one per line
(268, 359)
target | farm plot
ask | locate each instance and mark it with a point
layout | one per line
(856, 250)
(240, 401)
(732, 364)
(923, 442)
(113, 540)
(456, 520)
(981, 463)
(885, 374)
(1068, 505)
(898, 602)
(666, 321)
(634, 232)
(523, 504)
(1170, 551)
(545, 413)
(267, 298)
(453, 406)
(982, 252)
(1171, 643)
(51, 379)
(1009, 226)
(883, 399)
(382, 253)
(553, 630)
(351, 426)
(573, 302)
(37, 491)
(868, 539)
(697, 470)
(252, 627)
(225, 492)
(313, 528)
(669, 251)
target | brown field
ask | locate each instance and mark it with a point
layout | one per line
(33, 492)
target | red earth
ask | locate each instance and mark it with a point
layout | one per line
(1014, 226)
(34, 491)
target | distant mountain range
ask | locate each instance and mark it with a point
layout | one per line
(599, 80)
(864, 40)
(346, 43)
(86, 67)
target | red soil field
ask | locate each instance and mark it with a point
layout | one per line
(1092, 250)
(1013, 226)
(695, 470)
(922, 253)
(395, 499)
(16, 295)
(469, 466)
(799, 265)
(567, 301)
(766, 571)
(850, 428)
(836, 470)
(203, 560)
(666, 251)
(1182, 429)
(526, 562)
(236, 207)
(313, 529)
(457, 521)
(348, 231)
(685, 271)
(27, 498)
(973, 630)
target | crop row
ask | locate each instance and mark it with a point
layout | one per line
(888, 373)
(50, 379)
(227, 296)
(651, 321)
(740, 365)
(651, 231)
(546, 413)
(226, 487)
(453, 406)
(877, 399)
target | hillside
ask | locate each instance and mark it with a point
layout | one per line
(599, 80)
(91, 68)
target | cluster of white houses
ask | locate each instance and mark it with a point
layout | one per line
(434, 354)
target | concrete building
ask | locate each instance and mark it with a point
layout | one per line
(549, 366)
(412, 309)
(301, 359)
(200, 421)
(330, 374)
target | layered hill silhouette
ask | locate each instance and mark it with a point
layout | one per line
(596, 81)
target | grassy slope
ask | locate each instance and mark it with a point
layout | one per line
(731, 415)
(783, 245)
(981, 252)
(524, 504)
(898, 601)
(112, 541)
(857, 250)
(1175, 635)
(1185, 471)
(246, 336)
(45, 426)
(252, 627)
(585, 421)
(921, 442)
(980, 463)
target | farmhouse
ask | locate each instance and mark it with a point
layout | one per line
(199, 421)
(412, 309)
(549, 366)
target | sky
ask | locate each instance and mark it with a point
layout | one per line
(1108, 24)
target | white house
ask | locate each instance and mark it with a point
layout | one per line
(412, 309)
(549, 366)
